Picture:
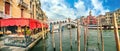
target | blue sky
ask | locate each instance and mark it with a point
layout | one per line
(62, 9)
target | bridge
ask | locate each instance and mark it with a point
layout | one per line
(65, 23)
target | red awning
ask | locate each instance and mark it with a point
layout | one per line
(46, 25)
(39, 25)
(32, 23)
(14, 22)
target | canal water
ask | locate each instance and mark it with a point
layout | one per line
(46, 45)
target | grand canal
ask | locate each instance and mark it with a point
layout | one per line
(46, 45)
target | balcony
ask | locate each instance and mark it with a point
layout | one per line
(7, 16)
(1, 14)
(4, 15)
(22, 4)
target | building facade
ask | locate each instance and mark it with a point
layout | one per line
(15, 9)
(90, 20)
(81, 20)
(21, 9)
(36, 11)
(118, 16)
(102, 19)
(109, 18)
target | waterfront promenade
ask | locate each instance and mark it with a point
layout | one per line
(37, 36)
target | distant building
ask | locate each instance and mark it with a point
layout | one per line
(109, 18)
(118, 16)
(102, 19)
(90, 20)
(82, 20)
(36, 11)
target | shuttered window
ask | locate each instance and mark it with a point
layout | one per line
(7, 8)
(21, 13)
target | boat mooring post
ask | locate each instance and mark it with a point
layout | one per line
(101, 34)
(44, 45)
(60, 32)
(53, 40)
(116, 32)
(70, 33)
(78, 34)
(85, 37)
(43, 36)
(98, 31)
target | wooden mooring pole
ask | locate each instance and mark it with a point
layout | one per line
(43, 36)
(53, 40)
(60, 32)
(85, 38)
(116, 32)
(44, 45)
(78, 35)
(70, 39)
(98, 30)
(101, 34)
(70, 34)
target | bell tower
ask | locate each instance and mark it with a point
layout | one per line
(90, 13)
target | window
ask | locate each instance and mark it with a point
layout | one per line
(30, 4)
(21, 0)
(21, 13)
(33, 11)
(7, 8)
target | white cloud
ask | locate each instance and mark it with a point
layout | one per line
(80, 9)
(98, 7)
(59, 9)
